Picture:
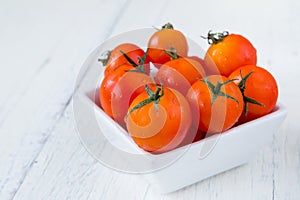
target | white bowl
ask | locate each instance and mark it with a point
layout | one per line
(204, 158)
(168, 172)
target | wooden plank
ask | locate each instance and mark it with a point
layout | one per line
(64, 170)
(39, 182)
(286, 145)
(38, 85)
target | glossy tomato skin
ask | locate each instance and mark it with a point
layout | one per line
(118, 89)
(166, 39)
(194, 135)
(161, 130)
(198, 59)
(260, 86)
(231, 53)
(117, 59)
(180, 74)
(220, 115)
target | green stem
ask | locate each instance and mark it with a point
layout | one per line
(104, 57)
(215, 38)
(129, 59)
(216, 90)
(153, 97)
(138, 67)
(172, 53)
(167, 26)
(247, 100)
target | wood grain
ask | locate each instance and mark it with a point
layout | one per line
(43, 45)
(41, 81)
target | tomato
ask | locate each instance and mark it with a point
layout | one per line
(259, 88)
(198, 59)
(216, 103)
(119, 88)
(208, 70)
(194, 135)
(228, 52)
(199, 136)
(180, 74)
(166, 39)
(159, 119)
(116, 58)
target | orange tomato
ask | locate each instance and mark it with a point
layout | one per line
(180, 74)
(159, 119)
(216, 103)
(166, 39)
(116, 58)
(259, 88)
(228, 52)
(119, 88)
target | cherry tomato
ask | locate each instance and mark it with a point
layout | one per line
(216, 103)
(180, 74)
(116, 57)
(194, 135)
(208, 70)
(227, 52)
(198, 59)
(159, 119)
(119, 88)
(166, 39)
(259, 88)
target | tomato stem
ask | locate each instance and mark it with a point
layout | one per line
(138, 67)
(129, 59)
(167, 26)
(247, 100)
(215, 38)
(216, 89)
(172, 53)
(153, 97)
(104, 57)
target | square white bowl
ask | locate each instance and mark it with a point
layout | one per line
(198, 161)
(202, 159)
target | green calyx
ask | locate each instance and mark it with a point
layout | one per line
(138, 67)
(247, 100)
(172, 53)
(216, 90)
(104, 57)
(215, 38)
(153, 97)
(167, 26)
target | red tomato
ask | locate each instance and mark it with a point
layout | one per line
(166, 39)
(117, 59)
(208, 70)
(198, 59)
(194, 135)
(159, 119)
(216, 103)
(119, 88)
(180, 74)
(228, 52)
(259, 88)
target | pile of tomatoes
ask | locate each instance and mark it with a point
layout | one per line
(187, 97)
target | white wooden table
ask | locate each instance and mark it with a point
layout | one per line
(42, 47)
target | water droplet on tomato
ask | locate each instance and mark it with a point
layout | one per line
(169, 80)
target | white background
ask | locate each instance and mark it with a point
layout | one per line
(42, 47)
